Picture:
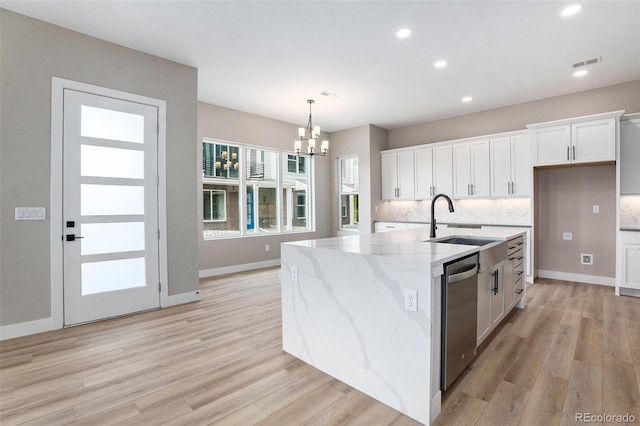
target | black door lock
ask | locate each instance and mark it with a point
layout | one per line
(72, 237)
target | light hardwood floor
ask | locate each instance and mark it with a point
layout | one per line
(575, 348)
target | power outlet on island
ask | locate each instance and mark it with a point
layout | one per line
(411, 300)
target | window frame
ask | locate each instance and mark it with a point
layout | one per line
(243, 183)
(211, 191)
(343, 211)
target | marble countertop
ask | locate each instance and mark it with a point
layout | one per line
(411, 244)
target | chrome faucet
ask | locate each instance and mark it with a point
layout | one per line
(432, 234)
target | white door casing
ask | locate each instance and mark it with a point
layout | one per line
(97, 255)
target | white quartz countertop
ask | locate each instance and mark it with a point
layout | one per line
(411, 244)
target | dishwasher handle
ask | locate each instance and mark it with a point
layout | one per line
(463, 275)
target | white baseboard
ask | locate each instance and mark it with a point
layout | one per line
(182, 298)
(205, 273)
(26, 328)
(587, 279)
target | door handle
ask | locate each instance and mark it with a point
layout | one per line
(574, 152)
(568, 154)
(72, 237)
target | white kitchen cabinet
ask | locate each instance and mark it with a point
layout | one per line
(471, 170)
(398, 175)
(575, 141)
(511, 169)
(389, 226)
(434, 171)
(630, 156)
(630, 271)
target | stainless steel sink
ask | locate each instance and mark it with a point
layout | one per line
(465, 241)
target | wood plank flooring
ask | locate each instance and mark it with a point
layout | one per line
(575, 348)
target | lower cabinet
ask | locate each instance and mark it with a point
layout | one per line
(630, 266)
(491, 299)
(500, 288)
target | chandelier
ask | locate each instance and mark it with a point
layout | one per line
(313, 133)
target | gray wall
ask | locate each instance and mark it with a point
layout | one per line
(216, 122)
(565, 204)
(31, 53)
(516, 117)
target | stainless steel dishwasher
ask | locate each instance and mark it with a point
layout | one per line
(459, 317)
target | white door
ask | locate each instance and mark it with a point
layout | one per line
(389, 176)
(480, 174)
(110, 207)
(424, 173)
(461, 170)
(443, 170)
(406, 176)
(501, 167)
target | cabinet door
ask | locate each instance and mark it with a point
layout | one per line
(593, 141)
(630, 266)
(406, 176)
(424, 173)
(630, 156)
(389, 175)
(497, 298)
(521, 170)
(462, 170)
(484, 305)
(501, 167)
(551, 145)
(443, 170)
(480, 171)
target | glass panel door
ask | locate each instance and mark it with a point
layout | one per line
(110, 207)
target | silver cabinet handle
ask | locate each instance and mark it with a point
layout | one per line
(574, 152)
(473, 190)
(568, 154)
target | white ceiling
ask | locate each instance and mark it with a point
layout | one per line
(269, 57)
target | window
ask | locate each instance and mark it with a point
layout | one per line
(301, 209)
(252, 190)
(215, 205)
(296, 164)
(349, 210)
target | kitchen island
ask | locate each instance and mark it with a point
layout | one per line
(343, 311)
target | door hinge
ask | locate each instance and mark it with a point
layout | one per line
(159, 287)
(158, 234)
(157, 128)
(158, 180)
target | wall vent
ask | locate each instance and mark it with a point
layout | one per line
(588, 62)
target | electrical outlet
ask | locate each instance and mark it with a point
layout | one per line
(294, 274)
(596, 208)
(266, 247)
(411, 300)
(567, 236)
(586, 259)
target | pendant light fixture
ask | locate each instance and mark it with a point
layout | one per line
(310, 134)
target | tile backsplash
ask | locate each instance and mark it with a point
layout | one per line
(495, 211)
(630, 211)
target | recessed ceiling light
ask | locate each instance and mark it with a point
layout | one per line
(571, 10)
(403, 33)
(467, 99)
(440, 64)
(581, 73)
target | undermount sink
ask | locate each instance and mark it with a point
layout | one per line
(465, 241)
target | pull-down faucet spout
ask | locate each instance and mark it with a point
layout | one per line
(432, 234)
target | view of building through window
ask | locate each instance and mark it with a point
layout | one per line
(235, 176)
(349, 193)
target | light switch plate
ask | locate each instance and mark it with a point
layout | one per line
(596, 208)
(30, 213)
(567, 236)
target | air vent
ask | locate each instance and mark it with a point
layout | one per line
(587, 62)
(327, 93)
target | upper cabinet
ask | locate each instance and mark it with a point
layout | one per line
(471, 169)
(510, 166)
(630, 156)
(434, 171)
(580, 140)
(398, 175)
